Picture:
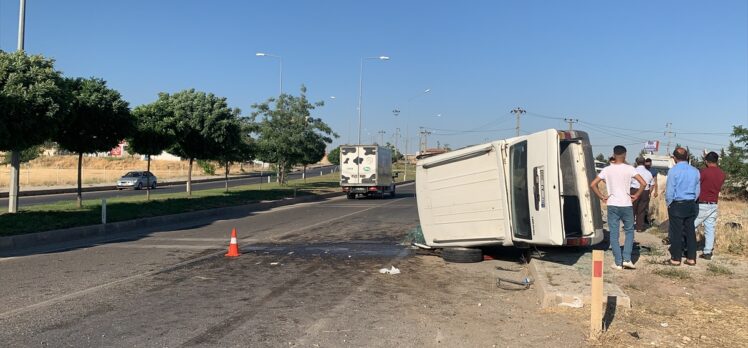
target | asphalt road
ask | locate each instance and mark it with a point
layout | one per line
(308, 277)
(47, 199)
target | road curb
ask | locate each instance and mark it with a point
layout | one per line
(550, 295)
(15, 243)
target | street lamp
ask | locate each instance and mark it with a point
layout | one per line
(361, 88)
(280, 60)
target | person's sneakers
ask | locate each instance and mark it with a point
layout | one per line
(616, 267)
(628, 265)
(706, 256)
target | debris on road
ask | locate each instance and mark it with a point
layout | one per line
(393, 270)
(274, 263)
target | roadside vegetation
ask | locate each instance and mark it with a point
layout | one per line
(39, 105)
(67, 214)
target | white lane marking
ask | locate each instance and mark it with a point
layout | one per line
(156, 239)
(135, 277)
(163, 246)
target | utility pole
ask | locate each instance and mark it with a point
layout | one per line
(669, 134)
(571, 122)
(397, 137)
(517, 112)
(424, 139)
(381, 137)
(405, 176)
(15, 156)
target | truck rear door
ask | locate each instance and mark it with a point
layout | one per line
(534, 187)
(462, 198)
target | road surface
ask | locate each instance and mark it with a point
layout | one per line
(308, 277)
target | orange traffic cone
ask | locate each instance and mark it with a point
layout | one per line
(233, 246)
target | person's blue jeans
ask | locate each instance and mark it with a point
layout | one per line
(707, 215)
(615, 216)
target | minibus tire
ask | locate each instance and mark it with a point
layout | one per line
(462, 255)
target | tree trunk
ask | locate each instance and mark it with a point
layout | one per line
(80, 182)
(226, 176)
(278, 172)
(15, 179)
(189, 178)
(148, 180)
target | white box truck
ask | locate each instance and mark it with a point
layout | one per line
(366, 170)
(519, 191)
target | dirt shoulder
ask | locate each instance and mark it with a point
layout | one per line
(703, 305)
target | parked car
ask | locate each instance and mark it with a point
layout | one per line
(137, 180)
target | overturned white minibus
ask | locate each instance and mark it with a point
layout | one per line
(527, 190)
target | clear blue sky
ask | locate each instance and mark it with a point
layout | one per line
(622, 68)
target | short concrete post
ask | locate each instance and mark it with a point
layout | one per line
(596, 300)
(103, 211)
(269, 178)
(320, 173)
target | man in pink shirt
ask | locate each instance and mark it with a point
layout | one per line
(617, 177)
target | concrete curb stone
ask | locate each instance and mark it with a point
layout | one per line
(554, 295)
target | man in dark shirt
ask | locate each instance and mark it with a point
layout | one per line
(712, 179)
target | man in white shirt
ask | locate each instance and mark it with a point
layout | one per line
(640, 205)
(617, 177)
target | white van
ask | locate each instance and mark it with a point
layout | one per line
(525, 190)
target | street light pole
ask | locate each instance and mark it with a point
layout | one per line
(280, 66)
(15, 156)
(361, 90)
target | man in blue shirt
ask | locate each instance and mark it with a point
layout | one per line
(681, 191)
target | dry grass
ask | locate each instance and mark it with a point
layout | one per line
(732, 228)
(732, 222)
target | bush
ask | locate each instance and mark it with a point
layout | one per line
(207, 167)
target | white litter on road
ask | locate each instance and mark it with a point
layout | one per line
(393, 270)
(274, 263)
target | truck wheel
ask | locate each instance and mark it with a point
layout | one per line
(351, 196)
(462, 255)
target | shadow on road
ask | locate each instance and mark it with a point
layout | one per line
(105, 235)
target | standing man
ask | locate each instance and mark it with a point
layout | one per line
(712, 179)
(653, 192)
(617, 177)
(640, 205)
(681, 191)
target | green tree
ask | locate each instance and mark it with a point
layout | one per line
(734, 162)
(26, 155)
(396, 155)
(95, 119)
(30, 98)
(235, 144)
(198, 124)
(284, 131)
(334, 156)
(152, 135)
(601, 158)
(313, 147)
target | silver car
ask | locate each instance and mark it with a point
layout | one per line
(137, 180)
